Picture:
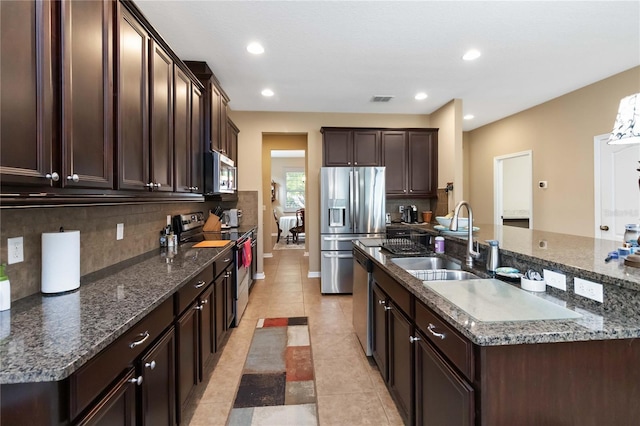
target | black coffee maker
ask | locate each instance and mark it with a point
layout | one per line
(410, 214)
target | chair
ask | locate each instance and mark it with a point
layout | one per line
(278, 225)
(299, 228)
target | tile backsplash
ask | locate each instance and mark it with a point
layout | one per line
(97, 225)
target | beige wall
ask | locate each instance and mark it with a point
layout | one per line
(448, 120)
(253, 125)
(560, 134)
(278, 168)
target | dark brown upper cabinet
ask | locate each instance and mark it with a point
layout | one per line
(350, 147)
(394, 158)
(182, 130)
(232, 140)
(197, 146)
(87, 87)
(133, 103)
(26, 98)
(161, 115)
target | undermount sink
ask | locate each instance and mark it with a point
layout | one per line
(425, 263)
(442, 275)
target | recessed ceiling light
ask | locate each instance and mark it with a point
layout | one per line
(468, 117)
(471, 55)
(267, 92)
(255, 48)
(420, 96)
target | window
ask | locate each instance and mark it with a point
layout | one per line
(294, 189)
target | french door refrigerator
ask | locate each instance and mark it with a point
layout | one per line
(352, 202)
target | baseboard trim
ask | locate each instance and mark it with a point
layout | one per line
(313, 274)
(306, 254)
(267, 255)
(259, 276)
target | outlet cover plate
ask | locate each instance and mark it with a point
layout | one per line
(15, 250)
(555, 279)
(119, 231)
(588, 289)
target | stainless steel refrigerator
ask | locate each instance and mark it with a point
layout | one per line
(352, 205)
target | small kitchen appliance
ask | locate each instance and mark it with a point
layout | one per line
(410, 214)
(232, 217)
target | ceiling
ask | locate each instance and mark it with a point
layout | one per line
(335, 56)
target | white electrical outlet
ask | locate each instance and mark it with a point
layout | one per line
(401, 209)
(555, 279)
(119, 231)
(588, 289)
(15, 250)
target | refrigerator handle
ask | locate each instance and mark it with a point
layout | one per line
(356, 215)
(351, 206)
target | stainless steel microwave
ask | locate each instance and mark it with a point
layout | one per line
(219, 174)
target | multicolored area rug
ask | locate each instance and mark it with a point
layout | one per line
(277, 385)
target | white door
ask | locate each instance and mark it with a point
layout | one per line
(617, 193)
(513, 187)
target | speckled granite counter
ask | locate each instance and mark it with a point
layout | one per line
(51, 337)
(617, 318)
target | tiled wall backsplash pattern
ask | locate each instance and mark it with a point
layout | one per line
(97, 225)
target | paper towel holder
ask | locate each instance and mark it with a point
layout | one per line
(60, 262)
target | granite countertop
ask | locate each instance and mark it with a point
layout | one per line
(617, 318)
(47, 338)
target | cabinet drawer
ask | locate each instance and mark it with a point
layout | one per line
(188, 293)
(395, 291)
(456, 348)
(94, 377)
(221, 263)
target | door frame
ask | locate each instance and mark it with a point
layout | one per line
(498, 190)
(597, 196)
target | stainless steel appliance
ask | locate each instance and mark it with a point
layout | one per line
(362, 300)
(241, 298)
(232, 217)
(219, 174)
(352, 206)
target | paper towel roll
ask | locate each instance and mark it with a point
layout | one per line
(60, 261)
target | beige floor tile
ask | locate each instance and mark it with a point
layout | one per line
(362, 408)
(327, 346)
(211, 414)
(336, 376)
(281, 310)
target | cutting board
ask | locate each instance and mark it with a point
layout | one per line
(212, 243)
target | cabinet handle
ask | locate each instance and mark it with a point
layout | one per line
(199, 307)
(432, 327)
(149, 185)
(150, 365)
(387, 308)
(195, 188)
(413, 339)
(52, 176)
(227, 260)
(204, 302)
(227, 274)
(382, 302)
(355, 163)
(157, 185)
(74, 177)
(404, 190)
(200, 284)
(144, 336)
(411, 190)
(136, 380)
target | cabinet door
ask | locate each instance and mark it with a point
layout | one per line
(161, 116)
(230, 297)
(337, 148)
(442, 396)
(215, 101)
(26, 128)
(117, 407)
(366, 148)
(158, 385)
(401, 362)
(133, 104)
(232, 141)
(224, 142)
(187, 362)
(87, 93)
(221, 318)
(197, 145)
(207, 330)
(394, 158)
(379, 343)
(182, 130)
(423, 164)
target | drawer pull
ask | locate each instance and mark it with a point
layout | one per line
(432, 327)
(382, 302)
(204, 302)
(150, 365)
(199, 307)
(200, 284)
(144, 336)
(413, 339)
(387, 308)
(136, 380)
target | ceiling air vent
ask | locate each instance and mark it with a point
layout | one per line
(382, 98)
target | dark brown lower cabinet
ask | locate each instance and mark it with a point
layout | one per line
(442, 397)
(379, 344)
(187, 362)
(158, 383)
(220, 290)
(229, 297)
(207, 330)
(118, 406)
(400, 362)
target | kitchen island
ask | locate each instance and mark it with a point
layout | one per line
(57, 351)
(579, 371)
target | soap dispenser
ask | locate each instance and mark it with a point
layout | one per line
(493, 256)
(5, 290)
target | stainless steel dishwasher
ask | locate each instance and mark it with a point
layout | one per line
(362, 299)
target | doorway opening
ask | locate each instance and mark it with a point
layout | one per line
(513, 189)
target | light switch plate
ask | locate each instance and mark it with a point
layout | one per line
(555, 279)
(15, 250)
(588, 289)
(119, 231)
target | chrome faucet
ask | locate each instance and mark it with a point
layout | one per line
(471, 253)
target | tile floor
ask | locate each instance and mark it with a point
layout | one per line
(349, 388)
